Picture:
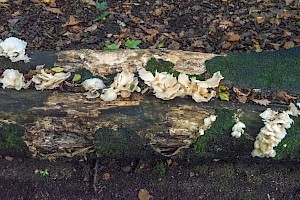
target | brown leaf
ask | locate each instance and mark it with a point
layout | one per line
(9, 158)
(144, 194)
(72, 21)
(91, 28)
(289, 44)
(284, 96)
(263, 102)
(151, 31)
(106, 176)
(15, 14)
(275, 46)
(233, 37)
(242, 97)
(51, 3)
(53, 10)
(260, 19)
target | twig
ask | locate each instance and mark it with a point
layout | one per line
(95, 181)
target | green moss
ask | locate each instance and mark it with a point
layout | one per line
(218, 138)
(11, 138)
(154, 65)
(117, 143)
(289, 147)
(277, 70)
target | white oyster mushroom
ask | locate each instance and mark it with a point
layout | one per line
(91, 86)
(49, 81)
(109, 94)
(14, 49)
(126, 83)
(293, 110)
(165, 86)
(211, 82)
(272, 133)
(13, 79)
(146, 76)
(238, 129)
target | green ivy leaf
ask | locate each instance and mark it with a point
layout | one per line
(101, 6)
(76, 77)
(112, 47)
(57, 69)
(132, 44)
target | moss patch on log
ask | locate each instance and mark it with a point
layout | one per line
(278, 70)
(289, 147)
(11, 139)
(217, 142)
(154, 65)
(117, 143)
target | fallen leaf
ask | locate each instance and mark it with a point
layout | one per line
(72, 21)
(275, 46)
(284, 96)
(263, 102)
(151, 31)
(91, 28)
(242, 97)
(51, 3)
(144, 194)
(57, 69)
(224, 96)
(233, 37)
(9, 158)
(15, 14)
(53, 10)
(260, 19)
(76, 77)
(106, 176)
(289, 44)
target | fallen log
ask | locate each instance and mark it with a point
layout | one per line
(56, 124)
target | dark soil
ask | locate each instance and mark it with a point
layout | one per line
(205, 26)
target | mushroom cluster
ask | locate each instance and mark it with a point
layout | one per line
(238, 128)
(14, 49)
(165, 86)
(45, 80)
(272, 133)
(124, 84)
(13, 79)
(92, 86)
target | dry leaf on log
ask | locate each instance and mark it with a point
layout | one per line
(242, 97)
(284, 96)
(263, 102)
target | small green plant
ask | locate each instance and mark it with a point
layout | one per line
(132, 44)
(160, 169)
(44, 173)
(101, 8)
(112, 47)
(120, 23)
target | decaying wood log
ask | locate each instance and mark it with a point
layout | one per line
(61, 124)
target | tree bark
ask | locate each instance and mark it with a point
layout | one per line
(66, 124)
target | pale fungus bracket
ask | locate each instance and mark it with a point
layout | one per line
(14, 49)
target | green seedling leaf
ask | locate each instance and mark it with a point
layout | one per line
(101, 6)
(132, 87)
(102, 16)
(112, 47)
(120, 23)
(132, 44)
(57, 69)
(224, 96)
(76, 77)
(223, 88)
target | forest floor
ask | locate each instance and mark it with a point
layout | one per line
(204, 26)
